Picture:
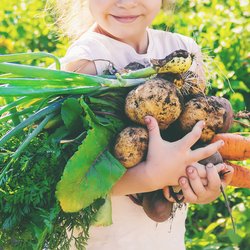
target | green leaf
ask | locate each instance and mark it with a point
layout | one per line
(90, 116)
(112, 123)
(104, 214)
(92, 171)
(71, 112)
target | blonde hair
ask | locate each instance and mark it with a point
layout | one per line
(73, 17)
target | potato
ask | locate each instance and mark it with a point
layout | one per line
(188, 83)
(193, 84)
(228, 117)
(131, 146)
(177, 79)
(158, 98)
(156, 206)
(215, 111)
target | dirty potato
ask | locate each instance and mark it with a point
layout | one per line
(215, 111)
(158, 98)
(131, 146)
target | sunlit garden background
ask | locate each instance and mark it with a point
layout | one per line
(222, 29)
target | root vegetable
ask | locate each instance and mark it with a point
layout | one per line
(228, 116)
(178, 61)
(131, 146)
(241, 176)
(177, 79)
(215, 111)
(214, 159)
(188, 83)
(156, 206)
(158, 98)
(193, 84)
(236, 147)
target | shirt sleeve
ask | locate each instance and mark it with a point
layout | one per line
(86, 50)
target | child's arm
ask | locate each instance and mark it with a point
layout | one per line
(165, 163)
(81, 66)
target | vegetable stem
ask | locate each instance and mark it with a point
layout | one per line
(13, 112)
(29, 56)
(13, 104)
(43, 112)
(140, 73)
(42, 73)
(35, 132)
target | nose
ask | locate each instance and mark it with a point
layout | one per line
(127, 3)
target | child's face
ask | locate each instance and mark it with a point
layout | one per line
(125, 18)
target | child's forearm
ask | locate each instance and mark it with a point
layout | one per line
(135, 180)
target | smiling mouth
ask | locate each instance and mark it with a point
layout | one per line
(125, 19)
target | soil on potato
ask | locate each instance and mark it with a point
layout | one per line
(210, 109)
(158, 98)
(131, 146)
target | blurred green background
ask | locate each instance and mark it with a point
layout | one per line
(221, 28)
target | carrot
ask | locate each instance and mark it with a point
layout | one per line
(236, 147)
(241, 176)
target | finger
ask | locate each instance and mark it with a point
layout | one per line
(189, 195)
(204, 181)
(192, 137)
(167, 194)
(202, 172)
(220, 167)
(213, 178)
(195, 181)
(205, 152)
(153, 129)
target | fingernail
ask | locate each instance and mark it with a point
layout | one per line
(221, 142)
(202, 124)
(209, 165)
(147, 120)
(183, 181)
(190, 170)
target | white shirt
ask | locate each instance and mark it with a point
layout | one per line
(95, 46)
(131, 228)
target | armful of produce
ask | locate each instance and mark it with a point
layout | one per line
(163, 97)
(57, 130)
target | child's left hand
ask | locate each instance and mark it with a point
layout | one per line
(200, 190)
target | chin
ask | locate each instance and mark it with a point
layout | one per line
(125, 33)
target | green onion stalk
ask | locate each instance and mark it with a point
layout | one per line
(78, 106)
(25, 83)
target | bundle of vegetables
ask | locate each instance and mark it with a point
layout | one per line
(57, 137)
(178, 102)
(56, 129)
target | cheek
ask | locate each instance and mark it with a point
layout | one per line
(155, 5)
(154, 8)
(98, 9)
(152, 15)
(95, 7)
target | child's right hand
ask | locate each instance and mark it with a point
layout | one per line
(167, 161)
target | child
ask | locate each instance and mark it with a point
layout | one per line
(120, 35)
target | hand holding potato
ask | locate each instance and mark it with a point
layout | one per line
(167, 161)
